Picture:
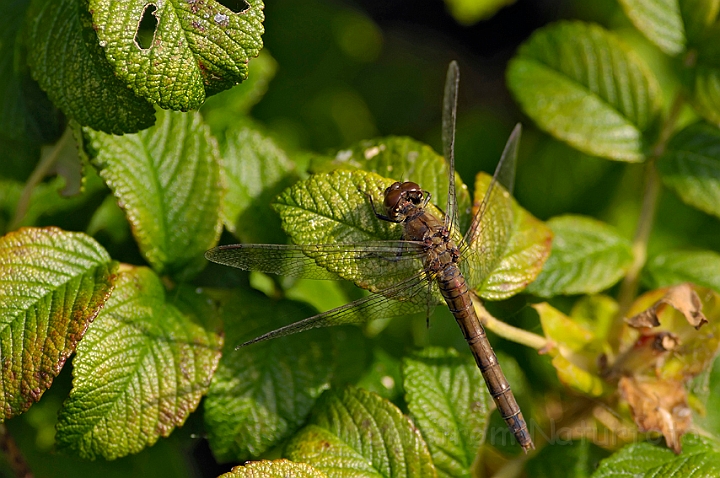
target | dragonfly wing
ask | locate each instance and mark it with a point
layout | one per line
(449, 118)
(408, 297)
(373, 265)
(492, 224)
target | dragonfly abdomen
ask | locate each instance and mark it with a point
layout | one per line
(454, 289)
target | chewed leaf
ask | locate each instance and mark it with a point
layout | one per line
(270, 386)
(511, 247)
(582, 85)
(587, 257)
(167, 179)
(357, 432)
(195, 49)
(451, 406)
(274, 469)
(52, 285)
(71, 67)
(139, 372)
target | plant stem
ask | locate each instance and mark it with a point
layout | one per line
(506, 331)
(12, 453)
(651, 194)
(41, 170)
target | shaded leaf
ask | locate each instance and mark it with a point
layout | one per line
(587, 256)
(579, 83)
(579, 459)
(140, 371)
(703, 81)
(260, 395)
(513, 246)
(197, 48)
(70, 66)
(698, 16)
(274, 469)
(52, 285)
(468, 12)
(449, 403)
(691, 167)
(255, 171)
(167, 179)
(357, 433)
(660, 21)
(700, 457)
(675, 267)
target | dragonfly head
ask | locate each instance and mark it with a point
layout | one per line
(401, 195)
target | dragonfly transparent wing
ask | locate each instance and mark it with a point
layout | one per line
(491, 227)
(449, 119)
(373, 265)
(407, 297)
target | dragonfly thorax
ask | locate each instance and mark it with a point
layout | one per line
(400, 198)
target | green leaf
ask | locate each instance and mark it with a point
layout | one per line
(449, 403)
(660, 21)
(167, 179)
(582, 85)
(512, 246)
(225, 110)
(274, 469)
(197, 48)
(675, 267)
(587, 257)
(700, 457)
(256, 170)
(691, 167)
(70, 66)
(262, 394)
(468, 12)
(356, 433)
(698, 16)
(403, 159)
(140, 371)
(579, 459)
(703, 81)
(52, 285)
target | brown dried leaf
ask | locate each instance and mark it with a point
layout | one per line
(681, 298)
(658, 405)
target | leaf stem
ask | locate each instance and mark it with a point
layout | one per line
(651, 194)
(40, 171)
(506, 331)
(13, 455)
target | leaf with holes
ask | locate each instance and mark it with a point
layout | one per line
(356, 433)
(274, 469)
(587, 256)
(675, 267)
(691, 167)
(582, 85)
(191, 50)
(449, 403)
(261, 394)
(167, 179)
(71, 67)
(139, 372)
(52, 285)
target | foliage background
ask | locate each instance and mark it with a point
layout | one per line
(346, 71)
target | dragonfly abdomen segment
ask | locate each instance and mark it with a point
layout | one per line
(454, 289)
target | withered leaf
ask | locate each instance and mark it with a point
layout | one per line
(681, 298)
(658, 405)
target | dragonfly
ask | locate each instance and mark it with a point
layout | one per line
(431, 263)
